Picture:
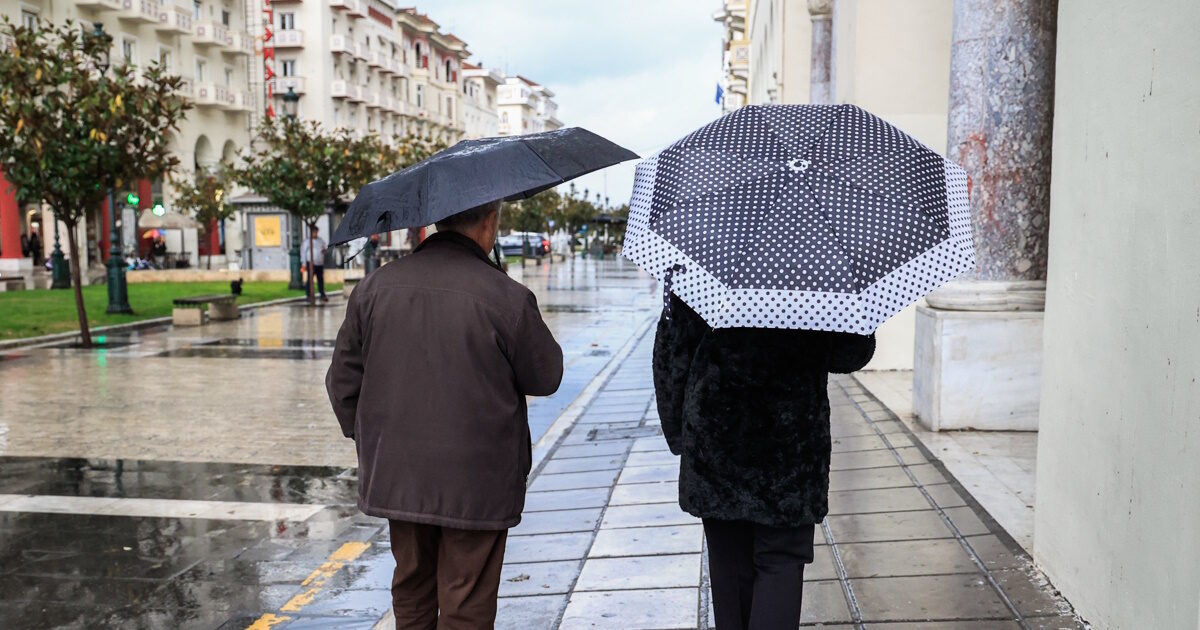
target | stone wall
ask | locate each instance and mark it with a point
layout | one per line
(1118, 479)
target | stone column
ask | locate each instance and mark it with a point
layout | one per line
(820, 82)
(978, 343)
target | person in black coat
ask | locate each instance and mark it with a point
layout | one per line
(747, 409)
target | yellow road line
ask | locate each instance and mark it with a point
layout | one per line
(314, 583)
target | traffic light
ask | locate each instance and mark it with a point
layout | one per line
(132, 199)
(159, 210)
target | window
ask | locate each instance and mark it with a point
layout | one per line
(287, 21)
(504, 117)
(228, 76)
(29, 19)
(201, 66)
(164, 59)
(447, 69)
(420, 96)
(337, 115)
(197, 10)
(224, 17)
(418, 50)
(287, 67)
(129, 50)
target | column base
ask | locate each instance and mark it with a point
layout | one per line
(16, 266)
(977, 369)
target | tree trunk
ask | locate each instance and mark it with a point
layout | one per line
(312, 295)
(85, 335)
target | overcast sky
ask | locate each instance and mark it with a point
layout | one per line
(642, 73)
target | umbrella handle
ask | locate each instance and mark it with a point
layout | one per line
(668, 280)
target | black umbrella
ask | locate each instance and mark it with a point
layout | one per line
(474, 172)
(817, 217)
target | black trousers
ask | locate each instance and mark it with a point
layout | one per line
(320, 275)
(757, 573)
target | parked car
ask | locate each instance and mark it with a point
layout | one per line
(514, 244)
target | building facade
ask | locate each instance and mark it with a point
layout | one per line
(735, 54)
(435, 66)
(480, 114)
(525, 106)
(208, 43)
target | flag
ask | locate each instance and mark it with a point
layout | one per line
(720, 93)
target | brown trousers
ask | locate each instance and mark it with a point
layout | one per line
(456, 571)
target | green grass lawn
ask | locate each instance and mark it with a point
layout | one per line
(45, 311)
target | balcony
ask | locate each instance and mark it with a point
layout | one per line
(281, 84)
(104, 5)
(174, 18)
(357, 93)
(361, 51)
(340, 45)
(186, 89)
(290, 38)
(240, 43)
(357, 8)
(239, 102)
(209, 94)
(346, 90)
(212, 34)
(375, 59)
(139, 11)
(351, 7)
(372, 99)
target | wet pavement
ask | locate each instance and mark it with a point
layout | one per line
(195, 478)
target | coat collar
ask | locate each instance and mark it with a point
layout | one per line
(455, 239)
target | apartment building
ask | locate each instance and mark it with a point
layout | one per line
(204, 41)
(435, 64)
(480, 118)
(735, 55)
(525, 106)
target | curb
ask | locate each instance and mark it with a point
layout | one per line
(114, 328)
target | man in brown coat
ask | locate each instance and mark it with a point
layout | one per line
(429, 377)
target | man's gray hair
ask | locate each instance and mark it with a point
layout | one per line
(468, 218)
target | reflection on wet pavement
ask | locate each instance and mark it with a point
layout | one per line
(149, 424)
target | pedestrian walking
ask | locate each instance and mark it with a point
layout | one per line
(429, 377)
(747, 409)
(783, 235)
(312, 254)
(35, 247)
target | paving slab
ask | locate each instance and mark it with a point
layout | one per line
(639, 572)
(634, 493)
(537, 578)
(654, 609)
(557, 522)
(547, 547)
(646, 515)
(565, 499)
(527, 613)
(641, 541)
(928, 598)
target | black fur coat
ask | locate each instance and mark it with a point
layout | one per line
(748, 411)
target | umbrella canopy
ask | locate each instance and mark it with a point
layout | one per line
(816, 217)
(474, 172)
(170, 220)
(153, 233)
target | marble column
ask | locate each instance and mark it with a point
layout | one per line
(820, 88)
(978, 344)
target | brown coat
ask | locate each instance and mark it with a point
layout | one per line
(429, 376)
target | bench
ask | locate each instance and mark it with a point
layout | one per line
(192, 311)
(12, 283)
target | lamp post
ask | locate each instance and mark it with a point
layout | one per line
(290, 101)
(60, 275)
(118, 293)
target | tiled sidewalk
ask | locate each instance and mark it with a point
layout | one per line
(603, 543)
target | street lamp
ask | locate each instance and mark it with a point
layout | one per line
(290, 102)
(118, 292)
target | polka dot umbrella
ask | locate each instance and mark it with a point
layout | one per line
(817, 217)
